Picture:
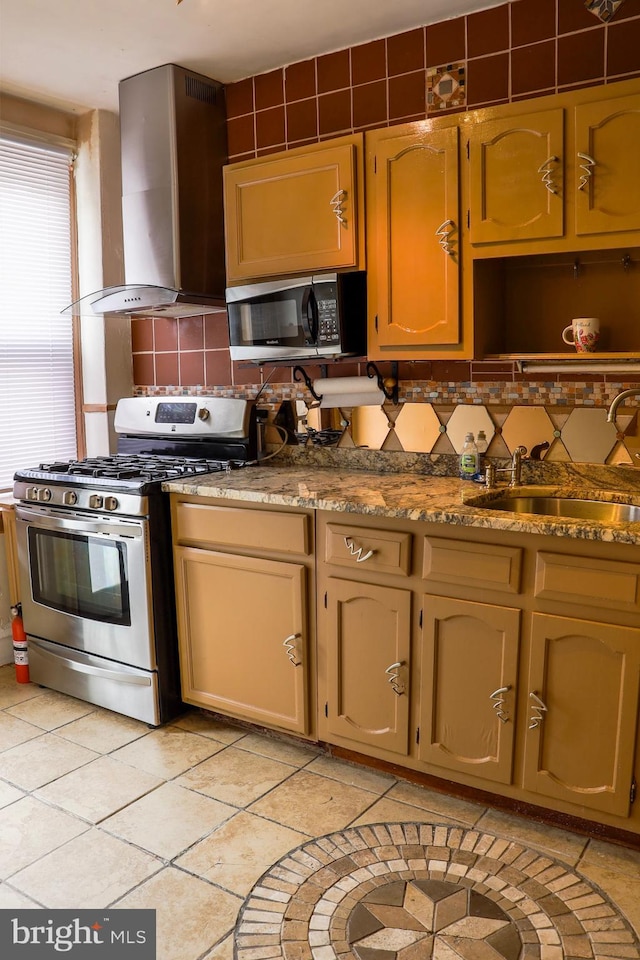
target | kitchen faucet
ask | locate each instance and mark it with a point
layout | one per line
(514, 471)
(617, 400)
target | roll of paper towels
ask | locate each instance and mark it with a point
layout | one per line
(348, 392)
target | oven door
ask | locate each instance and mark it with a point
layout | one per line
(85, 582)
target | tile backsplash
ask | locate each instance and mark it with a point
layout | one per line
(516, 50)
(433, 417)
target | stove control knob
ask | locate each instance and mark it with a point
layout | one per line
(203, 413)
(44, 495)
(95, 501)
(110, 503)
(32, 493)
(69, 498)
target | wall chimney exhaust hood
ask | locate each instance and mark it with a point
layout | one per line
(173, 146)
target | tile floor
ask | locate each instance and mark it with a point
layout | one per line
(99, 810)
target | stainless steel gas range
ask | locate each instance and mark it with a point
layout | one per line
(94, 548)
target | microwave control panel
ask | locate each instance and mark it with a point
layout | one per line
(328, 325)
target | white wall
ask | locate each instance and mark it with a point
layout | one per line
(107, 369)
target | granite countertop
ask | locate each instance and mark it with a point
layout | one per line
(416, 496)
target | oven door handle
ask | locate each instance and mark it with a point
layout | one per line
(110, 528)
(121, 677)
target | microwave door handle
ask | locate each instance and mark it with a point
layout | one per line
(309, 317)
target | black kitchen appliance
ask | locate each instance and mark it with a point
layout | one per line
(95, 554)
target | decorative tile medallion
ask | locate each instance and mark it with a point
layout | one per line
(603, 9)
(415, 891)
(445, 86)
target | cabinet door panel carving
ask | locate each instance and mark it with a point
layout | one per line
(413, 213)
(368, 663)
(607, 161)
(242, 631)
(470, 661)
(516, 178)
(580, 744)
(293, 213)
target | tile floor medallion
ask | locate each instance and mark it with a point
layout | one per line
(415, 891)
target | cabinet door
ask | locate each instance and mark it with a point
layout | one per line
(242, 631)
(413, 216)
(608, 165)
(368, 649)
(469, 672)
(515, 170)
(583, 712)
(293, 214)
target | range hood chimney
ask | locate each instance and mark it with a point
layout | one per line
(173, 145)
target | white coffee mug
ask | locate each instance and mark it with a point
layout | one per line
(583, 334)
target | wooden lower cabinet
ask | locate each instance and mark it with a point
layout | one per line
(505, 662)
(368, 664)
(245, 615)
(468, 686)
(583, 712)
(243, 637)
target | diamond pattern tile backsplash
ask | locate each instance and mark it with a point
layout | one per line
(577, 434)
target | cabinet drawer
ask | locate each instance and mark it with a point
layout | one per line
(487, 565)
(201, 523)
(360, 547)
(612, 584)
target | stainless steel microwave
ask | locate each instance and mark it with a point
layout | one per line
(323, 316)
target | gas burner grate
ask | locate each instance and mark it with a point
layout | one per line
(148, 467)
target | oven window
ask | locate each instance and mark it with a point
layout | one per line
(81, 575)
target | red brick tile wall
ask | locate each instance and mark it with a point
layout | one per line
(517, 50)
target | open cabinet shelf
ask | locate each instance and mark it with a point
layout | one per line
(522, 304)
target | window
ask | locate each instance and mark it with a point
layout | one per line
(37, 400)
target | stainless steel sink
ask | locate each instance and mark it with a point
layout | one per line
(601, 511)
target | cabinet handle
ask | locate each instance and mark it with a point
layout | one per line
(290, 646)
(587, 169)
(336, 205)
(394, 678)
(357, 551)
(547, 174)
(538, 710)
(444, 233)
(497, 701)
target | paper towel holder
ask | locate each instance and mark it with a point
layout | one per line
(303, 375)
(388, 385)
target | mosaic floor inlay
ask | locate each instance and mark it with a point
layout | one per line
(411, 891)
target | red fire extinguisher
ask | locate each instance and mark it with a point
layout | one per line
(20, 653)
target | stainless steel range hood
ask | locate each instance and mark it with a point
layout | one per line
(174, 145)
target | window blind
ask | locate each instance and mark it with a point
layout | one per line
(37, 408)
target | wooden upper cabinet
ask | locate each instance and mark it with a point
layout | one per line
(413, 237)
(295, 212)
(608, 165)
(516, 177)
